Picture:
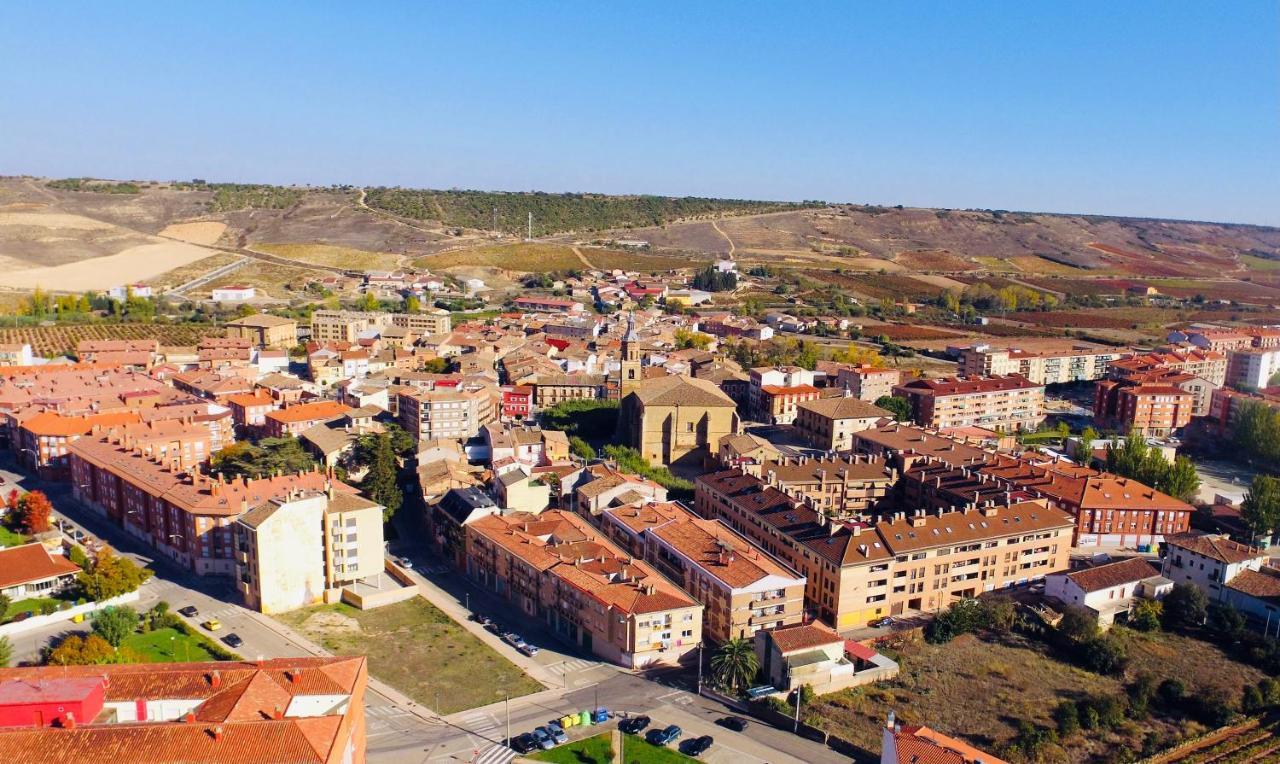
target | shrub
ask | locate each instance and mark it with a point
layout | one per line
(1103, 655)
(1067, 717)
(1146, 615)
(1171, 692)
(1184, 607)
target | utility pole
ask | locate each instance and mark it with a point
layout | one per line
(795, 727)
(699, 669)
(507, 704)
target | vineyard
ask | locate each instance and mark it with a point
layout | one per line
(1243, 745)
(48, 341)
(905, 333)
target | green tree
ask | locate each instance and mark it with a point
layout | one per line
(1260, 509)
(1146, 615)
(412, 304)
(581, 448)
(1181, 480)
(111, 575)
(270, 456)
(1067, 717)
(1185, 606)
(380, 483)
(735, 665)
(1104, 655)
(897, 405)
(5, 602)
(368, 302)
(115, 624)
(76, 650)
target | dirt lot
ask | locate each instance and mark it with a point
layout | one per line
(417, 649)
(978, 689)
(334, 256)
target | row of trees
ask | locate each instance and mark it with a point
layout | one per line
(1133, 458)
(711, 279)
(982, 297)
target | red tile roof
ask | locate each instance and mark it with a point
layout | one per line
(32, 562)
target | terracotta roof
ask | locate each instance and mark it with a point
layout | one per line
(803, 636)
(1112, 574)
(921, 745)
(1263, 583)
(676, 390)
(969, 385)
(32, 562)
(844, 407)
(1214, 547)
(304, 412)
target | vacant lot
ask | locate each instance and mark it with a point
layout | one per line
(332, 256)
(48, 341)
(417, 649)
(979, 689)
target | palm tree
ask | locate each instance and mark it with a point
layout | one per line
(734, 665)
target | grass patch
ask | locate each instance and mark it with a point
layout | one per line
(35, 605)
(11, 538)
(336, 257)
(416, 648)
(1255, 263)
(598, 750)
(169, 646)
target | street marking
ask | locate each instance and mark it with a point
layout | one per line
(669, 694)
(496, 754)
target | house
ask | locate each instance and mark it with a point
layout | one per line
(300, 417)
(921, 745)
(1208, 561)
(814, 656)
(31, 570)
(517, 490)
(1109, 589)
(300, 710)
(447, 518)
(234, 293)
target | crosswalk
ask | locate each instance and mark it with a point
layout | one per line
(495, 754)
(479, 722)
(574, 666)
(385, 712)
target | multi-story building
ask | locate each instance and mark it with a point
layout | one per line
(249, 410)
(840, 486)
(868, 383)
(517, 402)
(1226, 404)
(1209, 562)
(550, 389)
(742, 588)
(829, 423)
(775, 390)
(430, 321)
(557, 568)
(858, 571)
(1078, 363)
(677, 420)
(1010, 402)
(180, 512)
(548, 305)
(265, 330)
(344, 325)
(1209, 365)
(15, 354)
(301, 549)
(1150, 408)
(1218, 339)
(446, 413)
(1252, 367)
(300, 710)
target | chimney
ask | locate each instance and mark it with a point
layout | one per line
(69, 720)
(215, 679)
(216, 732)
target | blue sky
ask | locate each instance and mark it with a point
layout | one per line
(1167, 109)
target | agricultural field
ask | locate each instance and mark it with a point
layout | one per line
(607, 259)
(876, 286)
(980, 688)
(333, 256)
(909, 333)
(49, 341)
(534, 257)
(1106, 318)
(1253, 741)
(934, 260)
(1255, 263)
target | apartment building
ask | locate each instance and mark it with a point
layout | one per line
(1222, 340)
(1209, 365)
(428, 322)
(180, 512)
(1079, 362)
(774, 391)
(299, 710)
(446, 413)
(345, 325)
(559, 569)
(1008, 403)
(1155, 408)
(840, 487)
(265, 330)
(858, 571)
(304, 547)
(1252, 368)
(742, 589)
(550, 389)
(868, 383)
(548, 305)
(829, 423)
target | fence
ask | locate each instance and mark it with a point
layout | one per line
(41, 621)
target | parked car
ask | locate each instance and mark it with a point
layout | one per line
(666, 736)
(882, 622)
(557, 733)
(634, 725)
(190, 611)
(697, 746)
(493, 626)
(543, 736)
(213, 624)
(405, 563)
(528, 649)
(523, 743)
(515, 640)
(735, 723)
(233, 640)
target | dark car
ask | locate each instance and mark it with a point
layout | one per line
(233, 640)
(634, 725)
(190, 611)
(523, 743)
(665, 736)
(735, 723)
(697, 746)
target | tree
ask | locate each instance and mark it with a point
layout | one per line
(82, 651)
(897, 405)
(687, 338)
(5, 602)
(111, 575)
(1084, 451)
(735, 665)
(436, 365)
(412, 304)
(581, 448)
(1181, 480)
(857, 355)
(380, 483)
(1104, 655)
(1077, 627)
(268, 457)
(1260, 509)
(1185, 606)
(6, 651)
(34, 510)
(115, 624)
(712, 280)
(1146, 615)
(368, 302)
(1171, 692)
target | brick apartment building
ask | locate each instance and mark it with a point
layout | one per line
(1010, 403)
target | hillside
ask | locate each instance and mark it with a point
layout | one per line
(83, 233)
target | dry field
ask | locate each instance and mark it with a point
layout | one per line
(533, 257)
(182, 275)
(878, 285)
(909, 333)
(206, 233)
(934, 260)
(1106, 318)
(271, 279)
(49, 341)
(333, 256)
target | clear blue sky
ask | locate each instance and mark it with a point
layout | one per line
(1167, 109)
